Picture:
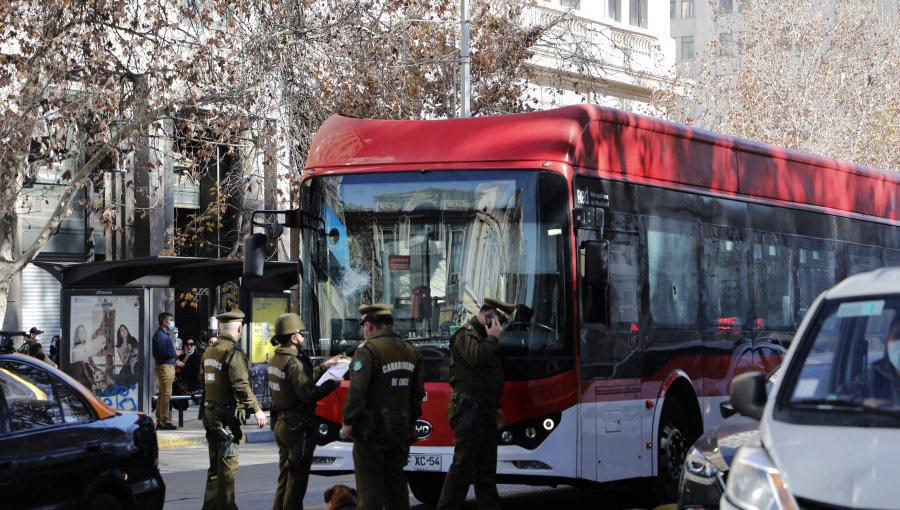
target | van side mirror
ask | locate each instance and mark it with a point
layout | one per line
(254, 255)
(748, 394)
(595, 262)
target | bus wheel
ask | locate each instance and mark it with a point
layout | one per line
(673, 444)
(426, 487)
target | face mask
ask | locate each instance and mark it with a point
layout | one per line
(171, 324)
(893, 352)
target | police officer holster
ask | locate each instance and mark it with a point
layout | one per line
(299, 421)
(465, 412)
(228, 434)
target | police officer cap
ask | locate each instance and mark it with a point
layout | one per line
(493, 304)
(232, 316)
(375, 309)
(288, 324)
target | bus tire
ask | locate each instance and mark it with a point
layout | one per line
(426, 487)
(673, 441)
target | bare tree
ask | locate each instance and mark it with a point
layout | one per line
(815, 75)
(84, 85)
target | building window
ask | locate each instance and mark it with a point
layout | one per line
(614, 9)
(638, 13)
(687, 47)
(687, 8)
(571, 4)
(726, 6)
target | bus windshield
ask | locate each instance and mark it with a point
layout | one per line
(435, 245)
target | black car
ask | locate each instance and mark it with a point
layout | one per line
(62, 447)
(705, 468)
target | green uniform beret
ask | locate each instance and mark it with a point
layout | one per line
(232, 316)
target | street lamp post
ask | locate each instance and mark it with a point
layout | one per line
(465, 85)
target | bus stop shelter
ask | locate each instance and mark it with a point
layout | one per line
(109, 309)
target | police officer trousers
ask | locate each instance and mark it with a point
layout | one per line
(474, 459)
(378, 463)
(223, 457)
(295, 454)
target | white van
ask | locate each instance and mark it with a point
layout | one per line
(830, 430)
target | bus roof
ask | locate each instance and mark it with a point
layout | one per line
(609, 143)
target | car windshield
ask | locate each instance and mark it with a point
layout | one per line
(435, 245)
(845, 365)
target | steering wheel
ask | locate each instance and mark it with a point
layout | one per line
(525, 326)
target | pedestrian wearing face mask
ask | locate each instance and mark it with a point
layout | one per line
(165, 357)
(292, 381)
(880, 385)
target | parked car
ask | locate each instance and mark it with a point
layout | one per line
(705, 469)
(829, 434)
(62, 447)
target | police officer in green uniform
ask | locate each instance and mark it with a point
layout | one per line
(476, 379)
(292, 381)
(227, 382)
(387, 385)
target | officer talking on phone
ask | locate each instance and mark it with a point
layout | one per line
(477, 381)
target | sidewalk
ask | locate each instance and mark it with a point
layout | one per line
(193, 433)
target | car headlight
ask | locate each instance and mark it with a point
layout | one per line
(698, 465)
(754, 483)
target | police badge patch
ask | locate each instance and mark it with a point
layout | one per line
(357, 365)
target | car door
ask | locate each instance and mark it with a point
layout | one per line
(8, 472)
(55, 439)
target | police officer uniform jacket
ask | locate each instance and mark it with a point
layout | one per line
(292, 382)
(386, 373)
(475, 370)
(226, 376)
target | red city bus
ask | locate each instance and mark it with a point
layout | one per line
(652, 262)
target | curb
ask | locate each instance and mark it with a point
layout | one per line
(176, 441)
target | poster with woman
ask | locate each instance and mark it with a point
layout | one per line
(106, 346)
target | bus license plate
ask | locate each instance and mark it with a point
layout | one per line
(424, 463)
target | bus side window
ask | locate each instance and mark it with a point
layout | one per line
(673, 272)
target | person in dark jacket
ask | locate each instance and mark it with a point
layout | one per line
(189, 376)
(387, 385)
(292, 381)
(164, 356)
(476, 379)
(880, 385)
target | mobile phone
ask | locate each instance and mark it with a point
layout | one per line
(489, 320)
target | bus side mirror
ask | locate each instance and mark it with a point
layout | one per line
(748, 394)
(595, 263)
(254, 255)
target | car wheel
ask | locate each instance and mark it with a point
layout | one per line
(105, 501)
(426, 487)
(673, 442)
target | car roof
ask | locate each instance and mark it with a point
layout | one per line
(872, 283)
(103, 410)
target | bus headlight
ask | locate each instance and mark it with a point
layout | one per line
(529, 434)
(754, 482)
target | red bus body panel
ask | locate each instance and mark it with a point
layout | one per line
(611, 143)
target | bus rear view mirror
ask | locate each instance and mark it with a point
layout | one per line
(254, 255)
(595, 263)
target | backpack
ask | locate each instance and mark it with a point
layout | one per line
(25, 349)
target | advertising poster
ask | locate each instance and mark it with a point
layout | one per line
(105, 347)
(265, 312)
